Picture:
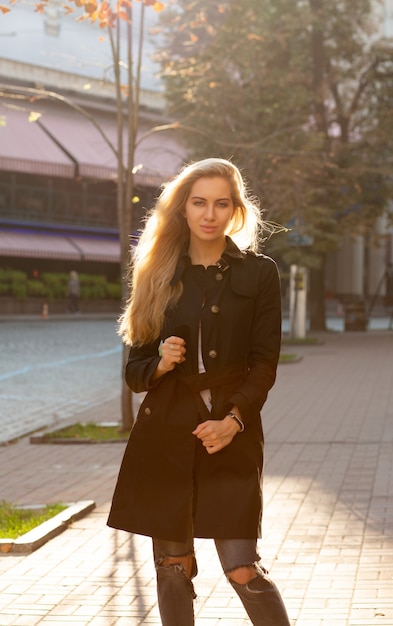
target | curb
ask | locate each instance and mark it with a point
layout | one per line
(53, 441)
(34, 539)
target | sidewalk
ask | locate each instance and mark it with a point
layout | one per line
(328, 518)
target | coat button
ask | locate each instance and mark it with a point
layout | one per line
(212, 354)
(219, 276)
(214, 308)
(147, 411)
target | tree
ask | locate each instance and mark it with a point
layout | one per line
(118, 23)
(296, 93)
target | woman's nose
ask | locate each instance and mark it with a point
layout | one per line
(210, 213)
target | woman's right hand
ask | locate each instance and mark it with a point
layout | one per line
(172, 352)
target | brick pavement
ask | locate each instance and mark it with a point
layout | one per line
(328, 520)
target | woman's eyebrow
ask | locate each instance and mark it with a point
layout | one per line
(202, 198)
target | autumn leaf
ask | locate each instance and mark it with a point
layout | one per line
(67, 9)
(91, 7)
(4, 9)
(123, 16)
(157, 6)
(34, 116)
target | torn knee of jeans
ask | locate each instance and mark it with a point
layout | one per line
(178, 565)
(259, 584)
(175, 569)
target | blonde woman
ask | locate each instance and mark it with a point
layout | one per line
(204, 327)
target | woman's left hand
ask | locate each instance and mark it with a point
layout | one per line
(216, 434)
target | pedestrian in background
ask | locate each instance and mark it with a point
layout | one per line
(204, 326)
(73, 293)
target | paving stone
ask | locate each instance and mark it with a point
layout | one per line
(328, 497)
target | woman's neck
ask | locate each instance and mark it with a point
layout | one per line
(206, 254)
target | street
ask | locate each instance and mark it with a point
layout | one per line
(53, 369)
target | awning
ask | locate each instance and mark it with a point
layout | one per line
(25, 147)
(64, 143)
(97, 249)
(58, 246)
(158, 156)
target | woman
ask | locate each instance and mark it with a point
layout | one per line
(73, 293)
(204, 326)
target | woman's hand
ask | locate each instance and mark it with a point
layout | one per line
(172, 352)
(216, 434)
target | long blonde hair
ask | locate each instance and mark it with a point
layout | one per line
(161, 242)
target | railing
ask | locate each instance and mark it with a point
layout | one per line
(46, 204)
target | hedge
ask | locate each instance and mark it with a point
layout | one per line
(52, 285)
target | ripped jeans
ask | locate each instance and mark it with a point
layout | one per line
(260, 596)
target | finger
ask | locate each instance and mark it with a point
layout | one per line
(175, 341)
(202, 430)
(173, 350)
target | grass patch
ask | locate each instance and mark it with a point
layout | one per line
(16, 521)
(90, 431)
(301, 341)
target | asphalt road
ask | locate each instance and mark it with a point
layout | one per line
(53, 369)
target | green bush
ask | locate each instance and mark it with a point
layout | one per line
(96, 292)
(55, 284)
(97, 287)
(4, 275)
(12, 283)
(16, 276)
(19, 289)
(52, 285)
(113, 291)
(36, 288)
(89, 279)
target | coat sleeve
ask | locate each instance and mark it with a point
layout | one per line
(264, 345)
(142, 362)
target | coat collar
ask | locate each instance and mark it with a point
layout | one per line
(231, 252)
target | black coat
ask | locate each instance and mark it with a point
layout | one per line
(166, 473)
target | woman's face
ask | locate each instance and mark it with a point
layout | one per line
(209, 209)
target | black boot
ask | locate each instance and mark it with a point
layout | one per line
(262, 601)
(175, 595)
